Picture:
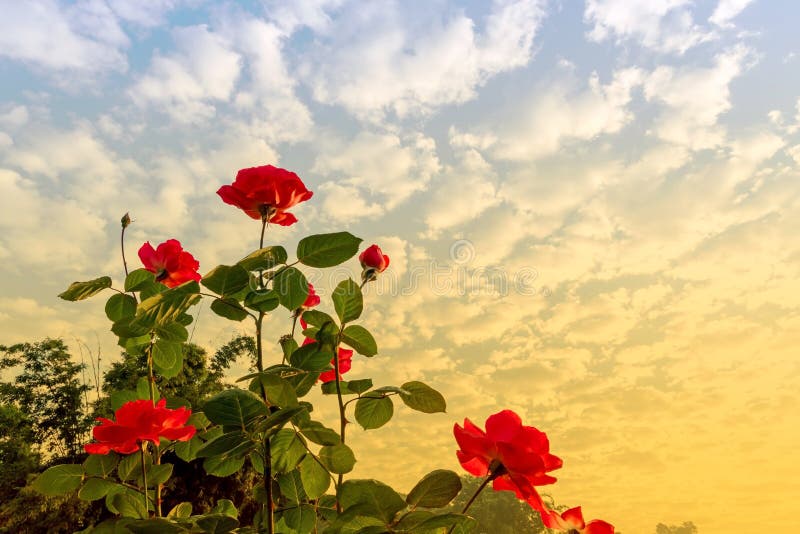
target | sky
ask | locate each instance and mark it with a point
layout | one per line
(591, 209)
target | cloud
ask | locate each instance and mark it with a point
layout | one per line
(727, 10)
(661, 25)
(84, 36)
(385, 166)
(412, 62)
(186, 83)
(562, 113)
(145, 13)
(695, 97)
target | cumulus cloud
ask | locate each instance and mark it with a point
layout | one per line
(83, 36)
(562, 113)
(695, 97)
(727, 10)
(385, 166)
(186, 83)
(661, 25)
(412, 62)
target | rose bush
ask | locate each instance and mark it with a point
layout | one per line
(266, 423)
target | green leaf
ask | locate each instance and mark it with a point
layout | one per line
(119, 306)
(435, 490)
(229, 309)
(234, 407)
(59, 479)
(316, 479)
(312, 357)
(303, 382)
(168, 358)
(225, 507)
(129, 467)
(95, 489)
(317, 318)
(167, 306)
(423, 398)
(347, 300)
(376, 498)
(223, 466)
(291, 286)
(327, 250)
(292, 487)
(127, 328)
(187, 450)
(301, 518)
(374, 412)
(174, 331)
(84, 290)
(217, 523)
(263, 259)
(287, 449)
(279, 391)
(460, 523)
(129, 505)
(279, 418)
(353, 387)
(262, 301)
(235, 443)
(154, 526)
(320, 434)
(151, 289)
(100, 465)
(138, 279)
(360, 339)
(226, 280)
(143, 389)
(118, 398)
(338, 458)
(158, 474)
(182, 510)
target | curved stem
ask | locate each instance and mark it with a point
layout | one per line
(122, 250)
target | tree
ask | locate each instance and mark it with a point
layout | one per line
(17, 459)
(48, 391)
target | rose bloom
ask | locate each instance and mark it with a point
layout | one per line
(516, 457)
(139, 421)
(312, 299)
(345, 359)
(572, 521)
(170, 263)
(266, 193)
(373, 261)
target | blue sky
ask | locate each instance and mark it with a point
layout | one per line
(637, 160)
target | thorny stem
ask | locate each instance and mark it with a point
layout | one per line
(151, 379)
(342, 418)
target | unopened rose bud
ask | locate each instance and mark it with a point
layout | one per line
(126, 220)
(373, 261)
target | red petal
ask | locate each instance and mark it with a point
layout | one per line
(503, 426)
(97, 448)
(574, 518)
(474, 465)
(283, 218)
(596, 526)
(147, 255)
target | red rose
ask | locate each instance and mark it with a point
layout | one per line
(572, 520)
(312, 299)
(171, 264)
(139, 421)
(373, 261)
(517, 457)
(266, 193)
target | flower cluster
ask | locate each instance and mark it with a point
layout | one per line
(517, 458)
(137, 422)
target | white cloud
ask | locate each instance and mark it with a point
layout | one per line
(345, 202)
(413, 61)
(82, 36)
(662, 25)
(311, 13)
(146, 13)
(727, 10)
(465, 191)
(185, 84)
(559, 114)
(695, 98)
(386, 166)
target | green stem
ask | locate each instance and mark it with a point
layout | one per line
(342, 418)
(151, 379)
(267, 453)
(144, 478)
(491, 476)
